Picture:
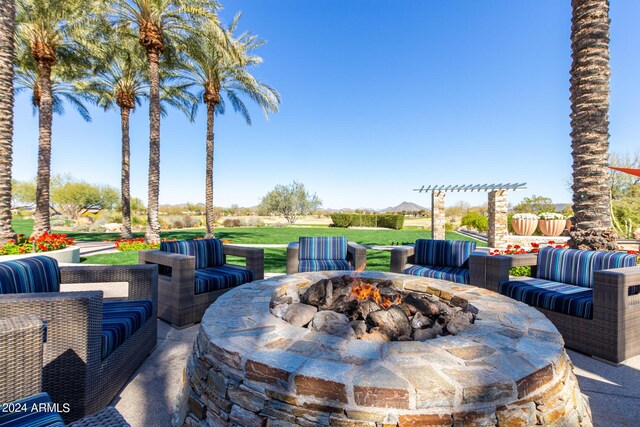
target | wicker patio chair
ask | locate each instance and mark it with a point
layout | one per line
(194, 273)
(440, 259)
(593, 298)
(21, 356)
(92, 347)
(325, 253)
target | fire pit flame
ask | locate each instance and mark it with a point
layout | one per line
(364, 291)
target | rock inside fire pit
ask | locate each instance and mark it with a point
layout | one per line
(351, 307)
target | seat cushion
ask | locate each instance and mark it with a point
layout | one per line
(443, 253)
(29, 275)
(324, 265)
(576, 267)
(25, 415)
(208, 252)
(120, 320)
(559, 297)
(452, 274)
(323, 248)
(222, 277)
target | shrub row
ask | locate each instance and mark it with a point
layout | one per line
(342, 220)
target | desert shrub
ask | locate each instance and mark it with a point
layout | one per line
(139, 220)
(80, 228)
(475, 220)
(394, 221)
(523, 270)
(137, 244)
(448, 226)
(252, 222)
(341, 220)
(232, 222)
(177, 223)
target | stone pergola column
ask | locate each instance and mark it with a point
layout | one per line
(437, 215)
(498, 229)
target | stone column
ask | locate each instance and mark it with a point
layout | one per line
(498, 229)
(437, 215)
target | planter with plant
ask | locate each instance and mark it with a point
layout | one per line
(524, 224)
(551, 223)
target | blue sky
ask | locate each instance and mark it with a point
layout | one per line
(379, 97)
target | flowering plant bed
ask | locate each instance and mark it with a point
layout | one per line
(519, 250)
(44, 243)
(139, 244)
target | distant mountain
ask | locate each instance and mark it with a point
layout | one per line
(404, 206)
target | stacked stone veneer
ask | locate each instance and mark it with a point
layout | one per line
(498, 228)
(438, 217)
(250, 368)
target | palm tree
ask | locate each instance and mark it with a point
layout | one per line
(159, 24)
(217, 67)
(590, 75)
(7, 28)
(47, 30)
(121, 83)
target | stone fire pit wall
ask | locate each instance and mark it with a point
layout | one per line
(250, 368)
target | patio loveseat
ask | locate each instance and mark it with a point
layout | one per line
(21, 351)
(194, 273)
(325, 254)
(92, 347)
(439, 259)
(592, 297)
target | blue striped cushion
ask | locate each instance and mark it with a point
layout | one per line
(30, 417)
(444, 253)
(28, 275)
(208, 252)
(217, 278)
(322, 248)
(120, 320)
(452, 274)
(559, 297)
(324, 265)
(576, 267)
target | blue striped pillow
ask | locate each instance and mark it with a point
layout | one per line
(443, 253)
(323, 248)
(29, 275)
(576, 267)
(208, 252)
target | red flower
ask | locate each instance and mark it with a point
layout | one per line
(535, 245)
(551, 242)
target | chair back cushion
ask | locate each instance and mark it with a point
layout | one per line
(444, 253)
(29, 275)
(208, 252)
(576, 267)
(323, 248)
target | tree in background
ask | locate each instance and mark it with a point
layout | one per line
(290, 201)
(590, 75)
(159, 25)
(7, 29)
(23, 194)
(625, 189)
(215, 66)
(73, 199)
(50, 32)
(535, 204)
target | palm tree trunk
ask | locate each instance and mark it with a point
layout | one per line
(210, 219)
(7, 27)
(42, 214)
(153, 225)
(590, 75)
(125, 178)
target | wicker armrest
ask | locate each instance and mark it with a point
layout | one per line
(478, 269)
(358, 254)
(498, 266)
(400, 256)
(142, 279)
(254, 258)
(167, 259)
(73, 319)
(617, 288)
(20, 357)
(293, 262)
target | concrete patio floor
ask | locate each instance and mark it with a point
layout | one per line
(151, 396)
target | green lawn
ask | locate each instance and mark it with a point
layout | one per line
(275, 258)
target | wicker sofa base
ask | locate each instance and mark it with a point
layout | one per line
(183, 317)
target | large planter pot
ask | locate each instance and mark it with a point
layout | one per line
(70, 254)
(524, 226)
(569, 224)
(552, 227)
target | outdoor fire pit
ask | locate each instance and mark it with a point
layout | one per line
(378, 349)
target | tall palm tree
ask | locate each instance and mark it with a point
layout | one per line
(121, 84)
(47, 29)
(216, 67)
(7, 29)
(159, 24)
(590, 75)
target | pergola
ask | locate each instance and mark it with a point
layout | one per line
(498, 204)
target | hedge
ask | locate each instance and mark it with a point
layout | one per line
(342, 220)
